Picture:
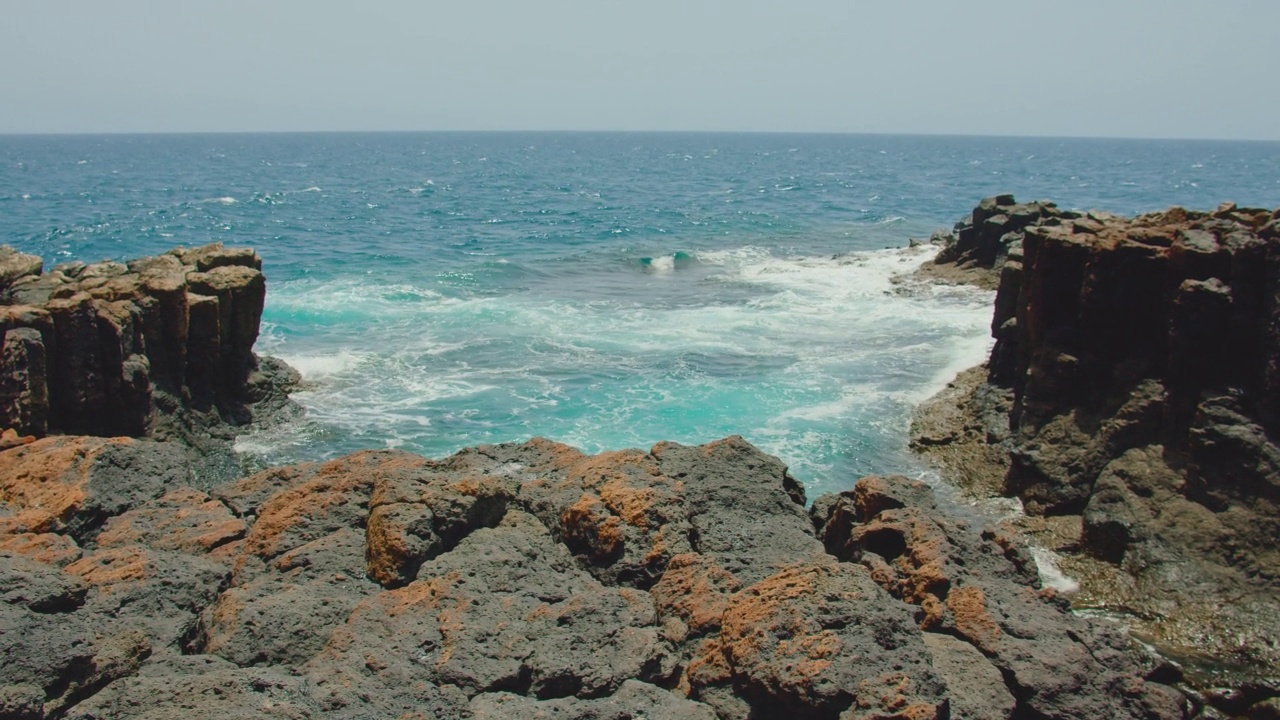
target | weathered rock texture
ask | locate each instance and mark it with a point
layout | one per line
(1140, 362)
(155, 346)
(523, 580)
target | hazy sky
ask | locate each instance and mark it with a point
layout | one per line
(1140, 68)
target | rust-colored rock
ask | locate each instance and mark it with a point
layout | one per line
(46, 548)
(983, 589)
(508, 578)
(114, 349)
(183, 519)
(1142, 355)
(72, 484)
(697, 591)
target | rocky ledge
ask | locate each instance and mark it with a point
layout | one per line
(526, 580)
(160, 347)
(1132, 402)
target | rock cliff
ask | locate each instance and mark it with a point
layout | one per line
(525, 580)
(1134, 390)
(159, 346)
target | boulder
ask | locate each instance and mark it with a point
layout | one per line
(983, 589)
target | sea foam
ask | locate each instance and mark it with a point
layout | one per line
(816, 359)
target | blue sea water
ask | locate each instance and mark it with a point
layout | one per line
(606, 290)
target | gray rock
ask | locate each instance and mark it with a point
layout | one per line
(632, 700)
(983, 589)
(220, 692)
(744, 510)
(21, 702)
(24, 384)
(69, 656)
(975, 686)
(507, 610)
(38, 587)
(284, 617)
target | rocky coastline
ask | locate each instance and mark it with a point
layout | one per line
(140, 577)
(1132, 403)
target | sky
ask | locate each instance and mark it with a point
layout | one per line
(1113, 68)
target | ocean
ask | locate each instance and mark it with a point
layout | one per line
(608, 290)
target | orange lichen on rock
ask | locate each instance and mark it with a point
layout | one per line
(478, 486)
(182, 519)
(429, 593)
(347, 481)
(109, 568)
(633, 504)
(589, 528)
(48, 548)
(710, 666)
(968, 606)
(891, 697)
(696, 590)
(387, 547)
(765, 623)
(45, 482)
(11, 439)
(593, 471)
(915, 547)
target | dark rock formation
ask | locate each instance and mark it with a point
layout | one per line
(976, 249)
(983, 591)
(522, 580)
(1141, 357)
(159, 346)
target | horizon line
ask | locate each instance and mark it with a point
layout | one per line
(455, 131)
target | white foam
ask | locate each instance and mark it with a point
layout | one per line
(1051, 576)
(351, 296)
(842, 407)
(735, 256)
(663, 264)
(966, 352)
(317, 367)
(813, 351)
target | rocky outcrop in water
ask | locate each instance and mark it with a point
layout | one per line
(159, 346)
(1136, 373)
(524, 580)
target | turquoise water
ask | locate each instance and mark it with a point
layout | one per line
(606, 290)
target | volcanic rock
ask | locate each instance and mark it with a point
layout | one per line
(520, 580)
(1140, 357)
(160, 346)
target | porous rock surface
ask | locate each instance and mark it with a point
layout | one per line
(160, 346)
(523, 581)
(1133, 397)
